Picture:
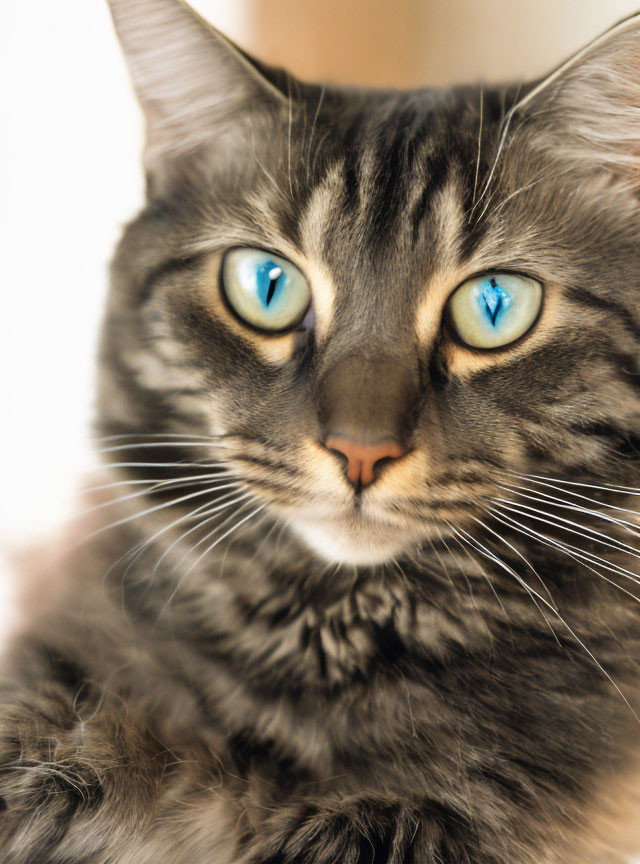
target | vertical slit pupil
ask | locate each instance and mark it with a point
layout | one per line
(272, 287)
(268, 275)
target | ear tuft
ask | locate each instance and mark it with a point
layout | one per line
(191, 82)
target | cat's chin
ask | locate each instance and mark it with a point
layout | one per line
(357, 542)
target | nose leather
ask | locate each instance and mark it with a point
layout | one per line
(361, 458)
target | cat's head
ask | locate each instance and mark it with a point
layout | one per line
(382, 306)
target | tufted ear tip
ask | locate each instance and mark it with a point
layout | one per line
(191, 81)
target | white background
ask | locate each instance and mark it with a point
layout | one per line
(70, 141)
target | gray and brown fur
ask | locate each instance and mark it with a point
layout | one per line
(401, 673)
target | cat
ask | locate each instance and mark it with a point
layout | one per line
(358, 580)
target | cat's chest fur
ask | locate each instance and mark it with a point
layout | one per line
(258, 705)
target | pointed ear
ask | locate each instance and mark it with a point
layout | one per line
(588, 110)
(193, 84)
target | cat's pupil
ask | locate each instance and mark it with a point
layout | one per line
(267, 277)
(495, 299)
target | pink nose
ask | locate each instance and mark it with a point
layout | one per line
(361, 458)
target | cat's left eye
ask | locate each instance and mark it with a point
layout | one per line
(493, 310)
(266, 291)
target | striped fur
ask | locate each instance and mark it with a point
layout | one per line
(249, 662)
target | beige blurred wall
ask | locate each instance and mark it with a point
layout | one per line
(423, 42)
(501, 39)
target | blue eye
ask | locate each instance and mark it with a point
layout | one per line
(266, 291)
(493, 310)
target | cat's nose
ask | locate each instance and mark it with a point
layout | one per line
(367, 409)
(362, 458)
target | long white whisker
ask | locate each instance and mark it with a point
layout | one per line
(475, 180)
(233, 528)
(210, 514)
(144, 435)
(506, 123)
(522, 558)
(552, 501)
(186, 463)
(154, 509)
(84, 490)
(174, 482)
(215, 543)
(313, 127)
(452, 529)
(197, 481)
(485, 575)
(569, 629)
(139, 548)
(571, 551)
(289, 132)
(595, 536)
(581, 553)
(623, 490)
(196, 513)
(551, 485)
(156, 444)
(492, 556)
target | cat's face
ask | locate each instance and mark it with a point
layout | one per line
(380, 305)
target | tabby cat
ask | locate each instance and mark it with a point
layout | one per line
(358, 579)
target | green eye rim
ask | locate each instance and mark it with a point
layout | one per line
(290, 327)
(452, 327)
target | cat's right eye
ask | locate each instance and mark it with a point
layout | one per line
(264, 290)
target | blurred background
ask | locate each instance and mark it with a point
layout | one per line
(69, 159)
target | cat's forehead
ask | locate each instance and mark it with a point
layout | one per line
(388, 203)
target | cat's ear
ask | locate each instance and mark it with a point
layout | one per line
(196, 88)
(587, 112)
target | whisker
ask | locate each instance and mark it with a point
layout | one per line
(206, 552)
(313, 128)
(506, 123)
(551, 485)
(196, 513)
(462, 573)
(442, 564)
(213, 545)
(571, 551)
(149, 510)
(533, 593)
(582, 553)
(475, 181)
(595, 536)
(553, 501)
(624, 490)
(482, 570)
(210, 514)
(522, 558)
(186, 463)
(156, 444)
(144, 435)
(492, 556)
(137, 550)
(201, 479)
(174, 481)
